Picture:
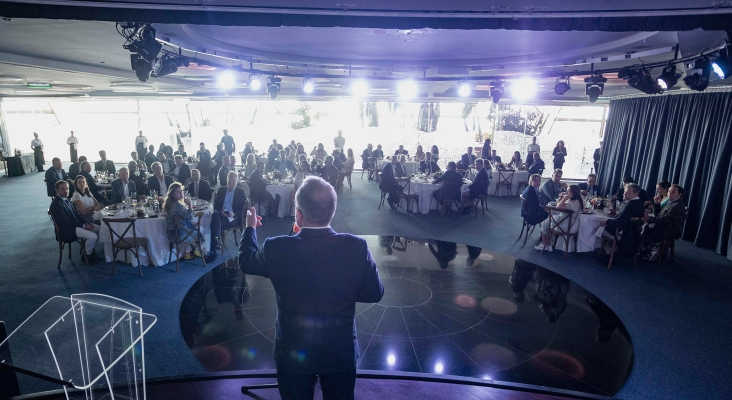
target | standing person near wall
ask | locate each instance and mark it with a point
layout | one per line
(339, 141)
(141, 146)
(559, 153)
(37, 147)
(530, 149)
(73, 142)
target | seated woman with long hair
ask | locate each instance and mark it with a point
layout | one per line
(516, 161)
(177, 208)
(250, 166)
(419, 154)
(571, 201)
(83, 200)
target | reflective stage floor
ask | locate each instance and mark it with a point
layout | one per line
(500, 318)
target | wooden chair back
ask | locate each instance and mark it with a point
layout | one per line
(505, 178)
(120, 240)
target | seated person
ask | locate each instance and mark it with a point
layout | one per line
(536, 167)
(166, 164)
(389, 184)
(621, 192)
(248, 149)
(181, 151)
(250, 166)
(572, 201)
(429, 165)
(104, 165)
(516, 161)
(258, 188)
(452, 183)
(272, 156)
(478, 187)
(319, 152)
(378, 154)
(203, 155)
(198, 187)
(224, 170)
(181, 172)
(53, 175)
(150, 157)
(675, 208)
(96, 190)
(401, 151)
(232, 162)
(494, 159)
(419, 155)
(467, 159)
(123, 187)
(303, 173)
(138, 177)
(74, 168)
(139, 163)
(218, 162)
(283, 164)
(329, 172)
(366, 158)
(400, 171)
(590, 188)
(551, 188)
(159, 182)
(628, 232)
(179, 211)
(662, 197)
(229, 204)
(83, 200)
(71, 225)
(531, 210)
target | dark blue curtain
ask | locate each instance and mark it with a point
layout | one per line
(684, 139)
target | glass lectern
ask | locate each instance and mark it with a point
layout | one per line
(90, 342)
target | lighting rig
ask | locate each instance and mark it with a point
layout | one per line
(141, 42)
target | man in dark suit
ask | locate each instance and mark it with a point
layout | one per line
(181, 172)
(224, 170)
(675, 209)
(428, 166)
(494, 158)
(401, 151)
(138, 177)
(228, 141)
(70, 223)
(478, 187)
(218, 162)
(75, 168)
(531, 210)
(123, 186)
(258, 188)
(628, 230)
(181, 151)
(537, 167)
(96, 190)
(329, 172)
(596, 157)
(198, 187)
(366, 157)
(467, 159)
(400, 171)
(378, 154)
(590, 188)
(318, 276)
(159, 182)
(229, 206)
(104, 164)
(282, 164)
(389, 184)
(150, 157)
(54, 174)
(452, 183)
(626, 181)
(551, 188)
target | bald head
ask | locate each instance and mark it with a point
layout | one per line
(315, 202)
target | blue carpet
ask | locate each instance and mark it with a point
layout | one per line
(675, 314)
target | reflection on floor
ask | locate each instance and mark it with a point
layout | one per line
(447, 309)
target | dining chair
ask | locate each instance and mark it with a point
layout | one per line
(558, 217)
(505, 178)
(446, 201)
(195, 236)
(383, 198)
(405, 192)
(235, 229)
(62, 244)
(482, 199)
(521, 184)
(525, 224)
(122, 243)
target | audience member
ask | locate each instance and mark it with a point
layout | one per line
(167, 164)
(181, 172)
(628, 232)
(37, 146)
(429, 166)
(229, 205)
(70, 223)
(319, 152)
(419, 155)
(401, 151)
(366, 157)
(551, 188)
(329, 172)
(141, 145)
(83, 200)
(199, 188)
(54, 174)
(486, 151)
(378, 154)
(494, 159)
(339, 141)
(337, 160)
(673, 210)
(232, 162)
(571, 201)
(139, 164)
(537, 166)
(467, 159)
(301, 150)
(590, 188)
(559, 153)
(452, 183)
(516, 161)
(283, 165)
(250, 166)
(248, 149)
(258, 187)
(303, 173)
(478, 187)
(389, 184)
(181, 152)
(662, 197)
(75, 168)
(435, 153)
(531, 149)
(316, 273)
(596, 156)
(104, 165)
(218, 162)
(159, 182)
(532, 211)
(123, 187)
(95, 189)
(179, 211)
(228, 141)
(138, 177)
(150, 157)
(224, 170)
(621, 192)
(400, 171)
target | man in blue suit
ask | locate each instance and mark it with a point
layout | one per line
(123, 186)
(537, 167)
(318, 276)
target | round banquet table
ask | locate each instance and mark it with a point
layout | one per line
(424, 190)
(284, 190)
(155, 230)
(411, 167)
(518, 176)
(587, 239)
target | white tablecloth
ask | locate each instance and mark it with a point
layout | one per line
(284, 192)
(518, 176)
(410, 167)
(426, 202)
(586, 238)
(154, 229)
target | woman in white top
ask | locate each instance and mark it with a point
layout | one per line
(419, 154)
(319, 152)
(85, 203)
(572, 201)
(303, 173)
(250, 166)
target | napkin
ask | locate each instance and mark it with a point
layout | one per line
(598, 233)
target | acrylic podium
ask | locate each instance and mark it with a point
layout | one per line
(90, 342)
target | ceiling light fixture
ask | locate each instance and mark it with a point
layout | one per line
(697, 78)
(595, 86)
(38, 85)
(722, 66)
(640, 79)
(226, 79)
(668, 77)
(408, 89)
(307, 85)
(273, 86)
(561, 86)
(360, 88)
(524, 89)
(167, 65)
(10, 79)
(143, 69)
(464, 88)
(175, 91)
(496, 91)
(255, 83)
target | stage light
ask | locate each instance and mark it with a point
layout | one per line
(167, 65)
(360, 88)
(496, 91)
(439, 368)
(143, 43)
(562, 87)
(226, 79)
(273, 86)
(464, 88)
(640, 79)
(523, 89)
(722, 66)
(391, 359)
(697, 78)
(668, 77)
(595, 86)
(255, 83)
(143, 69)
(408, 89)
(307, 85)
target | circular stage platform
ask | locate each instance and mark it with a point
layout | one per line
(447, 309)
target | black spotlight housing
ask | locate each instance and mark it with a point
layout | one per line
(143, 69)
(668, 77)
(496, 91)
(697, 78)
(640, 79)
(722, 66)
(273, 86)
(595, 86)
(144, 44)
(165, 66)
(562, 87)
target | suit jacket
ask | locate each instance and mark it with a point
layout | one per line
(118, 190)
(289, 165)
(400, 171)
(149, 160)
(549, 191)
(238, 203)
(51, 178)
(204, 190)
(530, 208)
(453, 181)
(675, 209)
(257, 186)
(496, 159)
(183, 173)
(73, 170)
(183, 154)
(480, 184)
(388, 179)
(223, 173)
(93, 187)
(140, 184)
(537, 167)
(634, 209)
(366, 159)
(466, 160)
(429, 167)
(597, 191)
(330, 175)
(67, 218)
(154, 184)
(398, 153)
(377, 153)
(318, 276)
(229, 144)
(100, 166)
(559, 154)
(642, 195)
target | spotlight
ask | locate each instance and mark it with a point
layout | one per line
(143, 69)
(307, 85)
(722, 66)
(166, 66)
(408, 89)
(668, 77)
(496, 91)
(562, 87)
(360, 88)
(640, 79)
(523, 89)
(697, 78)
(143, 43)
(464, 88)
(273, 86)
(226, 79)
(594, 86)
(254, 82)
